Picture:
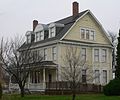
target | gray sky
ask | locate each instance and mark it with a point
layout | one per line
(16, 16)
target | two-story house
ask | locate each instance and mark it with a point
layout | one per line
(81, 30)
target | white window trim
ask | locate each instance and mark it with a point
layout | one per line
(94, 56)
(106, 55)
(54, 33)
(81, 53)
(89, 35)
(44, 54)
(29, 36)
(54, 59)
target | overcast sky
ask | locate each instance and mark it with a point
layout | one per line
(16, 16)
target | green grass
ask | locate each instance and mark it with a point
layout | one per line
(60, 97)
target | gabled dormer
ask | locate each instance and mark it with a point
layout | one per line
(40, 32)
(54, 29)
(30, 37)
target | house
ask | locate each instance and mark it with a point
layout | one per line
(81, 30)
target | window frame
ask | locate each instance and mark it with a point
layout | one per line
(83, 54)
(96, 55)
(84, 76)
(54, 53)
(45, 53)
(104, 76)
(52, 32)
(97, 76)
(104, 55)
(87, 36)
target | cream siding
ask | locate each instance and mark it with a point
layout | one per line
(87, 22)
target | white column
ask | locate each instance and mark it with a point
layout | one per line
(44, 78)
(28, 83)
(57, 74)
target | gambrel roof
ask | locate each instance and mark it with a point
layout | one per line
(68, 22)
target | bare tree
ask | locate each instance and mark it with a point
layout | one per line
(113, 37)
(73, 68)
(18, 62)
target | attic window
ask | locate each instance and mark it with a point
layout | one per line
(87, 34)
(28, 39)
(52, 32)
(39, 36)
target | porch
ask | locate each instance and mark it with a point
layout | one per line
(38, 77)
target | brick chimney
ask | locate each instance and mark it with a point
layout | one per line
(35, 23)
(75, 8)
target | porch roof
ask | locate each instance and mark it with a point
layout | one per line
(44, 64)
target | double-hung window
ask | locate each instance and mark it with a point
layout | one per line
(41, 35)
(28, 39)
(87, 34)
(84, 76)
(84, 54)
(37, 36)
(104, 76)
(82, 33)
(96, 55)
(54, 53)
(52, 32)
(97, 76)
(104, 55)
(45, 54)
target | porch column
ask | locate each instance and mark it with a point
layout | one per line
(28, 82)
(44, 78)
(56, 74)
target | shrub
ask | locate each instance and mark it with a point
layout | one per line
(112, 88)
(0, 91)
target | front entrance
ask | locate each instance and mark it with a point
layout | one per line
(50, 78)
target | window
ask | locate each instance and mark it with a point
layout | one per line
(96, 55)
(52, 33)
(104, 55)
(97, 76)
(84, 54)
(87, 34)
(92, 35)
(45, 54)
(35, 77)
(37, 36)
(41, 35)
(84, 76)
(34, 55)
(82, 33)
(104, 76)
(28, 39)
(54, 53)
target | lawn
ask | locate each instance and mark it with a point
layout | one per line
(59, 97)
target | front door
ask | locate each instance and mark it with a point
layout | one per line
(50, 78)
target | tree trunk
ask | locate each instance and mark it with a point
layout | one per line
(22, 91)
(73, 96)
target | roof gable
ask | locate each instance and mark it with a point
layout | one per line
(96, 21)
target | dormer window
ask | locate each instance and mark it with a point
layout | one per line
(40, 32)
(52, 32)
(28, 39)
(54, 28)
(39, 36)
